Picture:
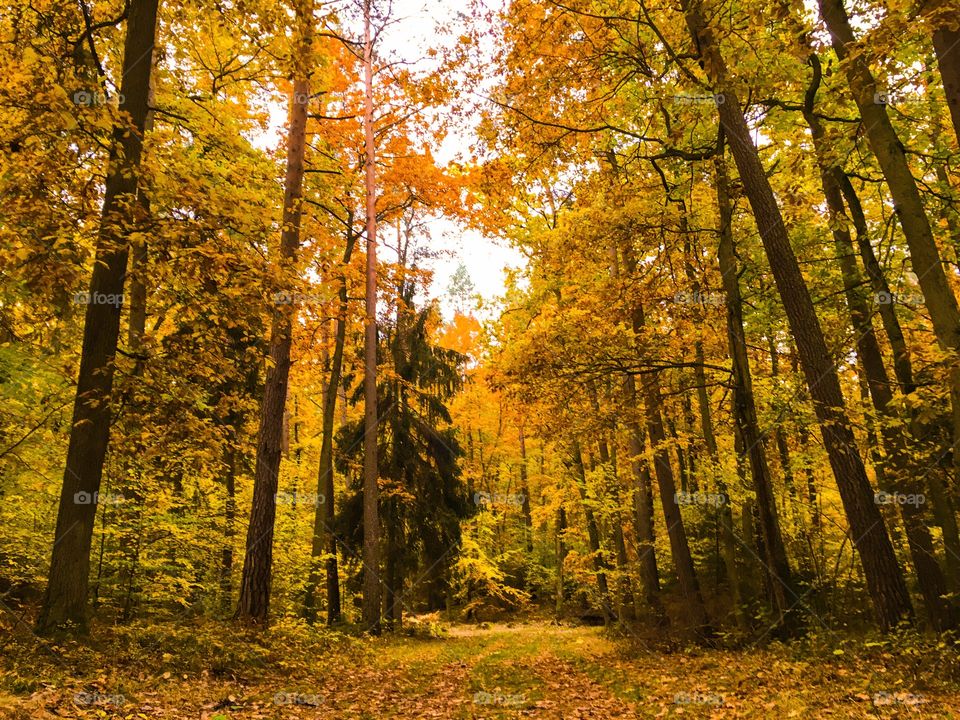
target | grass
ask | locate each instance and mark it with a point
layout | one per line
(538, 669)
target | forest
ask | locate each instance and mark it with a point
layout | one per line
(479, 359)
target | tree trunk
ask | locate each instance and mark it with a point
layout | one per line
(561, 558)
(884, 576)
(254, 602)
(776, 565)
(65, 599)
(229, 531)
(643, 509)
(600, 564)
(890, 154)
(728, 538)
(324, 537)
(525, 492)
(898, 468)
(946, 44)
(131, 480)
(371, 514)
(903, 370)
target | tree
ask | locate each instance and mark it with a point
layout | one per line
(884, 577)
(371, 520)
(254, 603)
(461, 288)
(65, 600)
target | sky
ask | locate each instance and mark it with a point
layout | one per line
(416, 28)
(415, 32)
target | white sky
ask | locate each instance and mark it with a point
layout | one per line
(418, 27)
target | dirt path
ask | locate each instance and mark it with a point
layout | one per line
(510, 671)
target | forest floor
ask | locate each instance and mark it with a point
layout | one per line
(534, 669)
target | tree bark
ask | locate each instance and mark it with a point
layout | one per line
(776, 565)
(884, 577)
(324, 537)
(371, 513)
(65, 599)
(254, 603)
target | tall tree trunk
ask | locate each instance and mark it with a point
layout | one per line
(890, 154)
(626, 603)
(902, 365)
(131, 481)
(254, 602)
(393, 576)
(371, 514)
(776, 566)
(324, 537)
(898, 468)
(525, 492)
(679, 547)
(643, 508)
(608, 461)
(229, 531)
(676, 533)
(946, 44)
(600, 564)
(903, 371)
(65, 599)
(883, 574)
(728, 538)
(561, 548)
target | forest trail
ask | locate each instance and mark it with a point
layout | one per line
(522, 670)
